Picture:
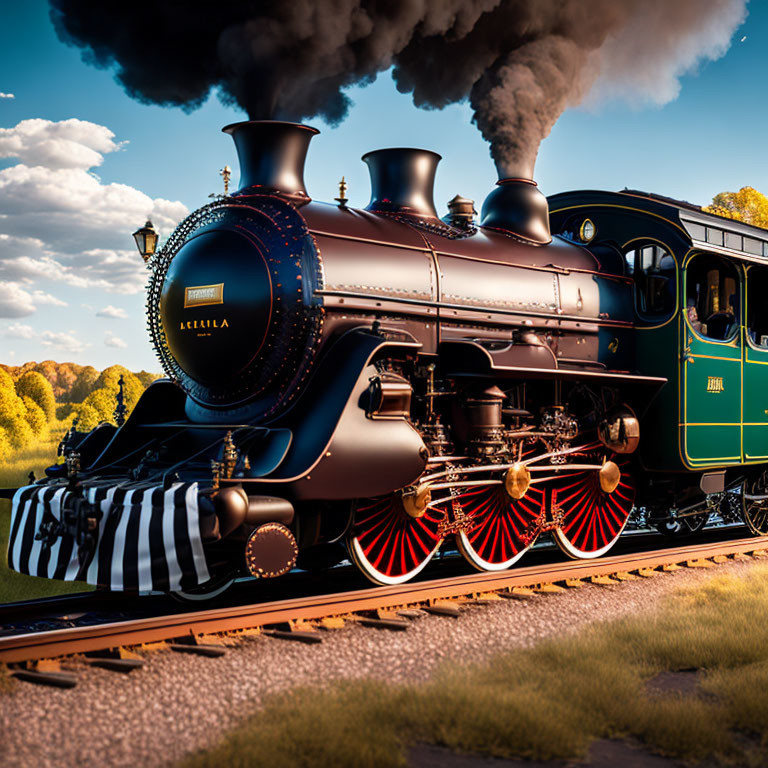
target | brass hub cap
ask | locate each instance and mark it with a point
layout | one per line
(517, 480)
(415, 501)
(610, 476)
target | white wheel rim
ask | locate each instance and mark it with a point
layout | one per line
(469, 552)
(375, 575)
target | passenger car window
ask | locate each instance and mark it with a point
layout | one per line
(712, 298)
(757, 306)
(654, 272)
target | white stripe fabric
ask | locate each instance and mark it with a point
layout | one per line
(145, 557)
(169, 542)
(131, 525)
(15, 546)
(92, 576)
(118, 549)
(37, 544)
(56, 548)
(193, 526)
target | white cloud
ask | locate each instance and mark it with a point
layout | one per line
(62, 341)
(110, 340)
(7, 96)
(15, 301)
(59, 222)
(41, 297)
(114, 312)
(20, 331)
(67, 144)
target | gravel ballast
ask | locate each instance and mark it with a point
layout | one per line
(179, 703)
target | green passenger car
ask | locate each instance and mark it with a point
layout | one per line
(701, 317)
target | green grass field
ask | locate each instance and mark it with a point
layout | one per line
(551, 701)
(14, 586)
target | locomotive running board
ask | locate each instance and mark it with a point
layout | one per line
(468, 358)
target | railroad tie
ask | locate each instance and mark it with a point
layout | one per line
(443, 609)
(410, 613)
(518, 593)
(604, 581)
(53, 679)
(298, 636)
(114, 665)
(211, 651)
(397, 625)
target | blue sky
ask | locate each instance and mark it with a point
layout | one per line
(87, 305)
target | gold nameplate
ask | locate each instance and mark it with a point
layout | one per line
(715, 384)
(203, 295)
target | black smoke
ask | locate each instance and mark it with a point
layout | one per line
(520, 63)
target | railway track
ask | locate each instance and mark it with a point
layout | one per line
(193, 626)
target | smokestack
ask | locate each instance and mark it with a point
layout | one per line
(402, 180)
(272, 155)
(517, 206)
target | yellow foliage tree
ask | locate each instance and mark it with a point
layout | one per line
(35, 416)
(103, 402)
(83, 385)
(13, 419)
(147, 378)
(36, 387)
(6, 382)
(6, 448)
(87, 418)
(132, 387)
(747, 205)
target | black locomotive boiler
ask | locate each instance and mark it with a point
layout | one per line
(380, 378)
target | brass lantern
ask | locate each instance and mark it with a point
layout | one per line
(146, 240)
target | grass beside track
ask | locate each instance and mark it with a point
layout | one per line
(14, 586)
(551, 701)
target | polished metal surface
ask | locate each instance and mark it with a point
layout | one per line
(272, 155)
(402, 180)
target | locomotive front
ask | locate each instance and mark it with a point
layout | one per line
(233, 310)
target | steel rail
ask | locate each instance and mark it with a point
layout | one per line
(59, 642)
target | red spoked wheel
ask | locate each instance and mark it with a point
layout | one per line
(590, 519)
(503, 528)
(387, 544)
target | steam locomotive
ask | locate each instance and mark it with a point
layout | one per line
(375, 383)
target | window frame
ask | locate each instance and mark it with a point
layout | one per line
(637, 244)
(740, 315)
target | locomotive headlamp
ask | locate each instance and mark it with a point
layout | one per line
(146, 240)
(587, 231)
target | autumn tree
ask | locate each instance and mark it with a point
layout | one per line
(13, 418)
(132, 387)
(35, 417)
(83, 384)
(747, 205)
(6, 381)
(147, 378)
(6, 449)
(36, 387)
(87, 418)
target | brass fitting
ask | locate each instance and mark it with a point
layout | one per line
(610, 476)
(517, 481)
(415, 500)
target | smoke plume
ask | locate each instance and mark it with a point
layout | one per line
(520, 63)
